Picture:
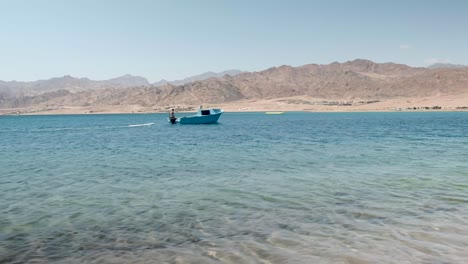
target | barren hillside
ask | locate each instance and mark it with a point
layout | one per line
(352, 80)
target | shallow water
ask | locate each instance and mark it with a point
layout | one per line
(255, 188)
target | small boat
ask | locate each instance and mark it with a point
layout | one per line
(203, 116)
(274, 113)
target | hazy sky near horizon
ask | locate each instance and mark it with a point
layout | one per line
(174, 39)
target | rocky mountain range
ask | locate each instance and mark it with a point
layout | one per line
(445, 66)
(199, 77)
(69, 83)
(352, 80)
(73, 84)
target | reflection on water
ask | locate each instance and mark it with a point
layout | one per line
(294, 188)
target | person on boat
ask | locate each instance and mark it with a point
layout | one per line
(172, 116)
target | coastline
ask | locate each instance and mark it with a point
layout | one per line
(447, 103)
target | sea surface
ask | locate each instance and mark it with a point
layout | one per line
(255, 188)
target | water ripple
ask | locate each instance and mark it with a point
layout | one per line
(293, 188)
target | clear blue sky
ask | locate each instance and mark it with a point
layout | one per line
(173, 39)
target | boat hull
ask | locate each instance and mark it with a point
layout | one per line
(196, 120)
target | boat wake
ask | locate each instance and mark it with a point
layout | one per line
(140, 125)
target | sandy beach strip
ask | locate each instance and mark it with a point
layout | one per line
(289, 104)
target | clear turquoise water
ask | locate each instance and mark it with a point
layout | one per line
(256, 188)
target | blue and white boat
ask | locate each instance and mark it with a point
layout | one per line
(203, 116)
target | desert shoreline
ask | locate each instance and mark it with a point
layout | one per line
(110, 112)
(443, 103)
